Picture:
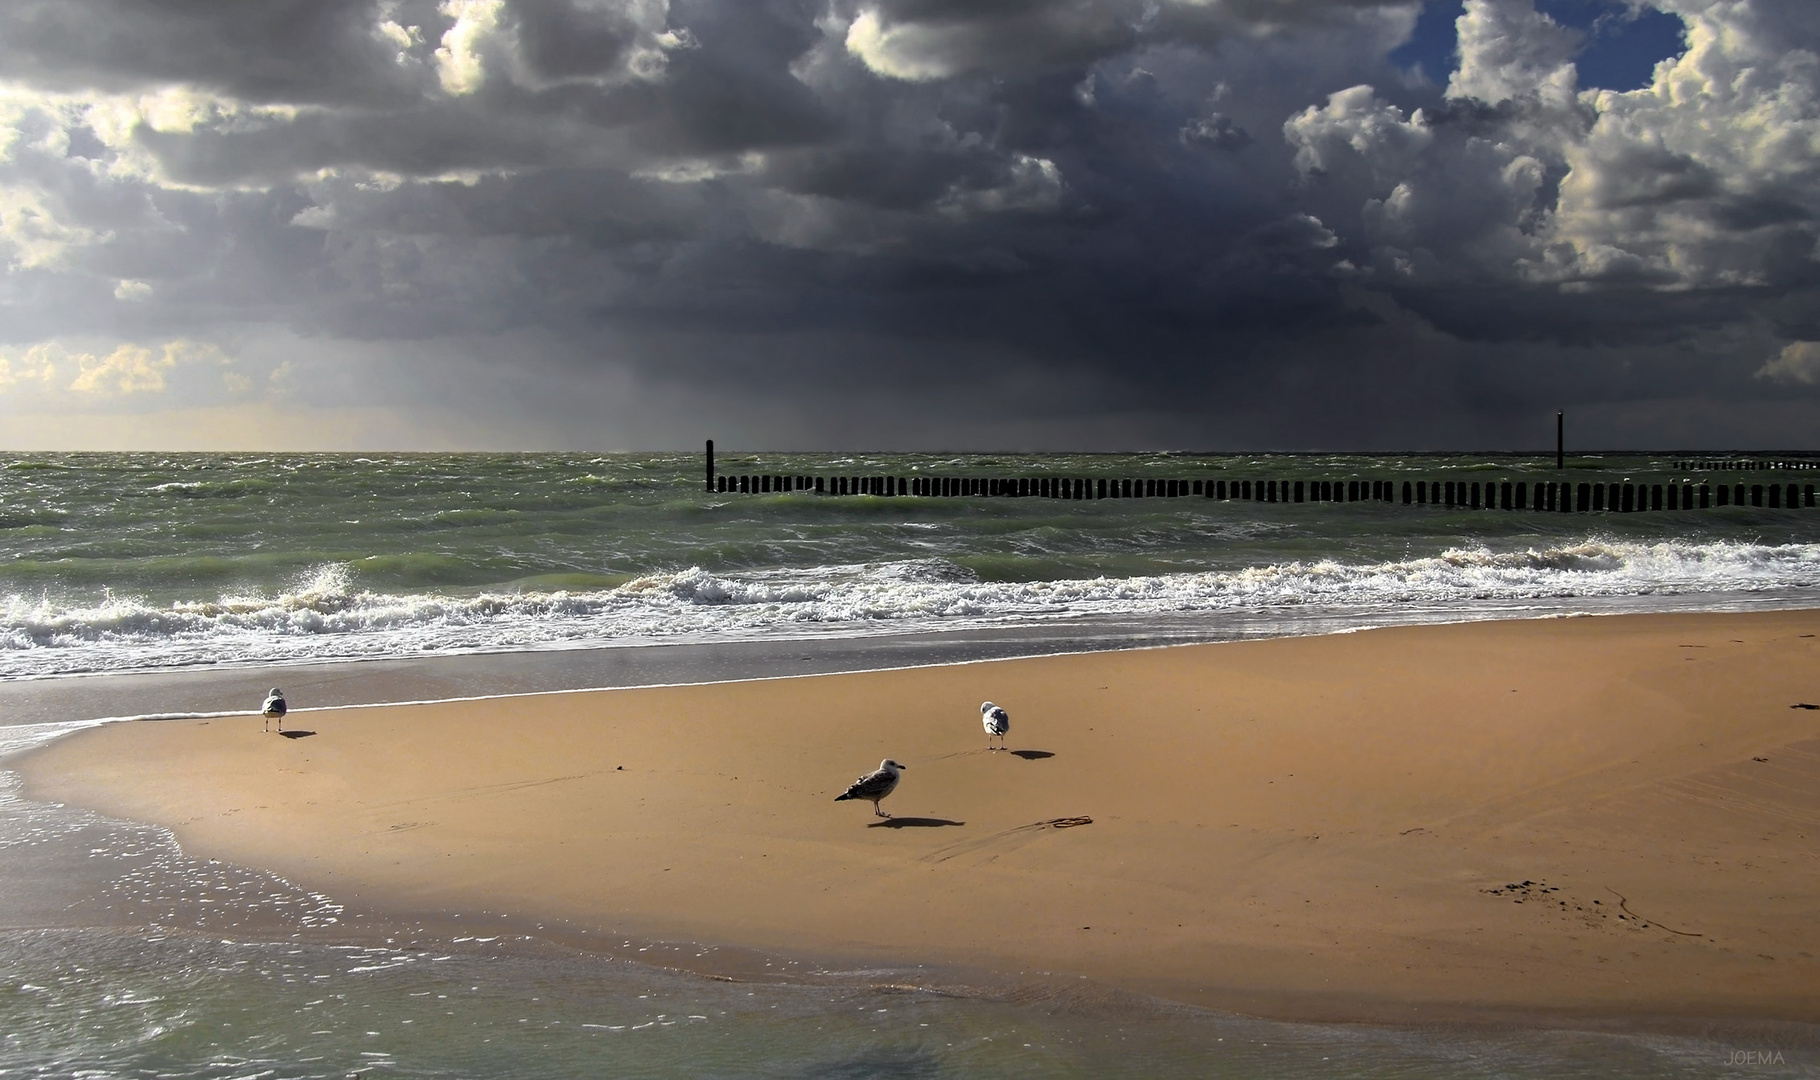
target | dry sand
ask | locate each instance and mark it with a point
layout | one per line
(1318, 827)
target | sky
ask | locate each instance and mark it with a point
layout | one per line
(909, 224)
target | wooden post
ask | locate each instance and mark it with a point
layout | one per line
(1560, 439)
(710, 464)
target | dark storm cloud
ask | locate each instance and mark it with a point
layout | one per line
(1144, 221)
(285, 50)
(561, 40)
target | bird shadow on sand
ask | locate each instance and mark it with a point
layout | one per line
(913, 823)
(1032, 755)
(296, 734)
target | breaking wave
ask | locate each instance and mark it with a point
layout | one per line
(328, 616)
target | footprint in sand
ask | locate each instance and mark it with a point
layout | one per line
(1008, 840)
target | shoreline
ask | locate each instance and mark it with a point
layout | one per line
(210, 690)
(1277, 853)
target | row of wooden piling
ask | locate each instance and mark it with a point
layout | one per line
(1746, 465)
(1460, 494)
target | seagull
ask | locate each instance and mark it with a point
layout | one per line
(997, 722)
(874, 785)
(274, 709)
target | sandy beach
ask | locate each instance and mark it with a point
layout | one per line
(1581, 817)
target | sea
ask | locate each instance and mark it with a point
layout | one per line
(185, 584)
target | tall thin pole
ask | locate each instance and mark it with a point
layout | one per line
(1560, 441)
(710, 466)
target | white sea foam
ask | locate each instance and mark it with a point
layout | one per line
(327, 615)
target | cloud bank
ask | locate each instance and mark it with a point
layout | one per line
(1022, 223)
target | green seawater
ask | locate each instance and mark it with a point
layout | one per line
(114, 562)
(180, 1006)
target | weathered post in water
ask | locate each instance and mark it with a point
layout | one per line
(710, 466)
(1560, 439)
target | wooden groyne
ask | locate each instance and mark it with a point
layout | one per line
(1547, 496)
(1744, 465)
(1543, 496)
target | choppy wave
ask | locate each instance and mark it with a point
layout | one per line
(329, 616)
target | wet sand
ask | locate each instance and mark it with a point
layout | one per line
(1571, 818)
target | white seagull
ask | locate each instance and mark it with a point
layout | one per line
(997, 722)
(874, 785)
(274, 709)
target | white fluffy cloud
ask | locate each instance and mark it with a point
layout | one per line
(922, 42)
(36, 232)
(53, 369)
(1710, 177)
(1510, 51)
(460, 66)
(1798, 362)
(1712, 174)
